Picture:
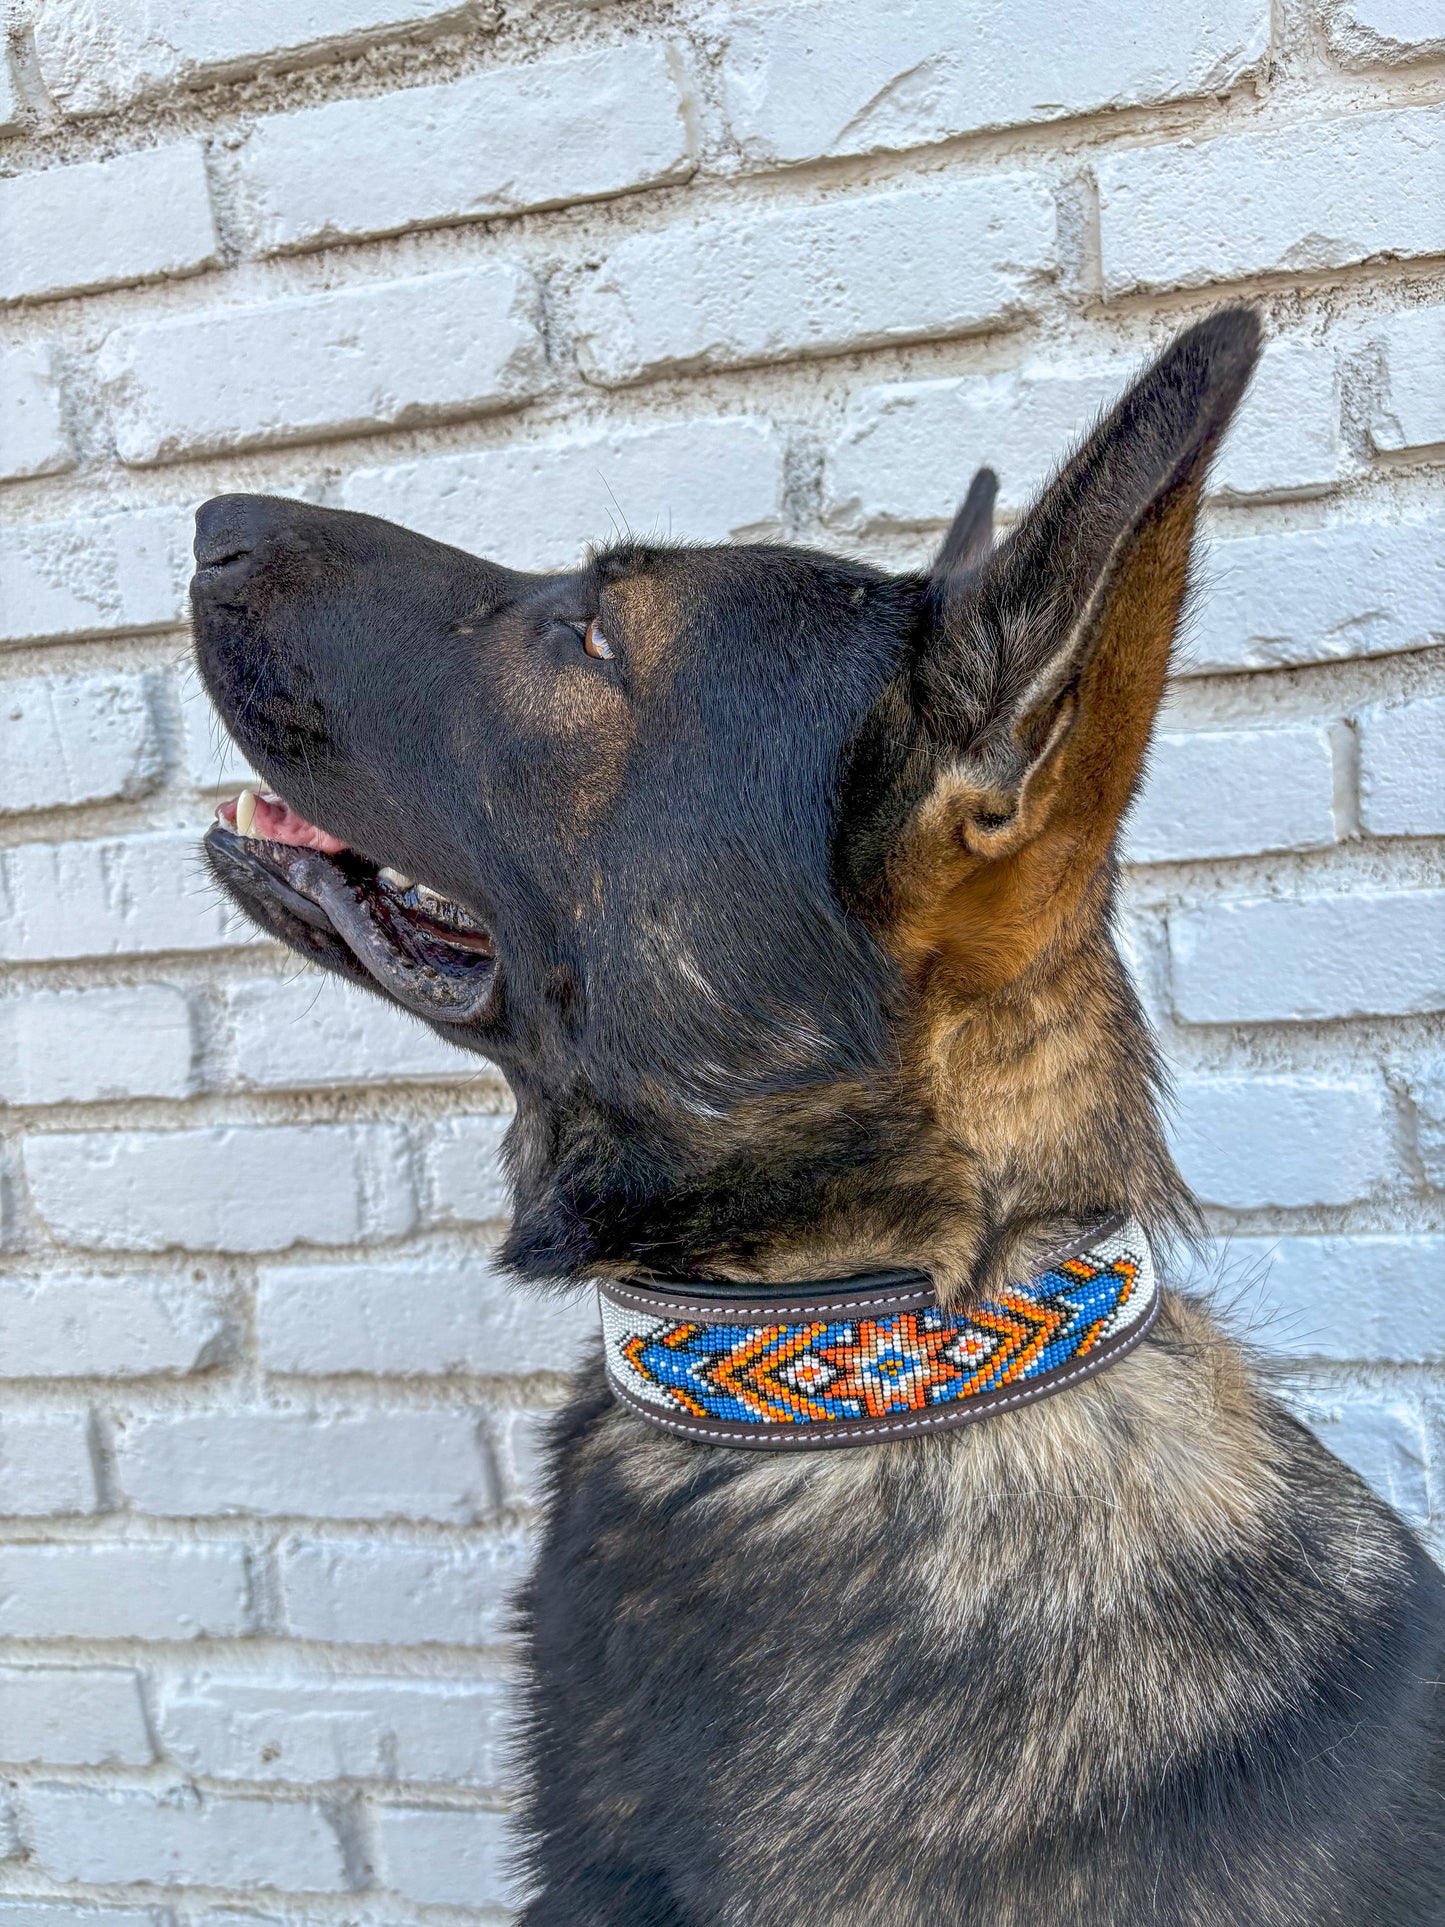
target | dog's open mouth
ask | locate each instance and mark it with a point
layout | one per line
(308, 888)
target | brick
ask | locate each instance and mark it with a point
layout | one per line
(1285, 439)
(93, 60)
(519, 1435)
(913, 265)
(384, 1595)
(1383, 1437)
(1366, 33)
(126, 896)
(1305, 959)
(843, 77)
(1247, 1142)
(1364, 1296)
(94, 575)
(42, 1913)
(70, 230)
(907, 447)
(225, 1917)
(699, 481)
(13, 109)
(498, 143)
(67, 740)
(464, 1171)
(1318, 195)
(152, 1590)
(1233, 792)
(318, 1729)
(440, 345)
(446, 1856)
(315, 1032)
(1318, 595)
(1402, 768)
(1408, 409)
(45, 1465)
(1427, 1092)
(33, 436)
(226, 1188)
(184, 1838)
(213, 761)
(69, 1717)
(391, 1319)
(82, 1046)
(89, 1326)
(378, 1465)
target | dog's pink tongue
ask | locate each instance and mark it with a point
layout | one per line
(274, 821)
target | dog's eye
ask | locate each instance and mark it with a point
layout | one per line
(596, 644)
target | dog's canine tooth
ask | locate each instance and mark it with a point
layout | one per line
(245, 812)
(395, 878)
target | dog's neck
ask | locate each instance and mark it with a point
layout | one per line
(1015, 1123)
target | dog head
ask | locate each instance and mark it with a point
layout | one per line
(724, 855)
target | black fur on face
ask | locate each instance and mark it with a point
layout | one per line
(646, 837)
(735, 839)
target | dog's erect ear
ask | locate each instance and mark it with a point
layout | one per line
(1033, 692)
(970, 539)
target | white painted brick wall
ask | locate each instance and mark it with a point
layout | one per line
(315, 1464)
(93, 575)
(827, 78)
(110, 897)
(90, 60)
(13, 111)
(491, 145)
(70, 1717)
(1261, 1140)
(46, 1464)
(1409, 406)
(106, 224)
(1290, 960)
(698, 481)
(390, 1595)
(905, 266)
(107, 1589)
(182, 1838)
(1303, 595)
(78, 740)
(1365, 33)
(412, 351)
(1235, 792)
(269, 1427)
(33, 438)
(310, 1033)
(363, 1318)
(443, 1856)
(1323, 195)
(329, 1184)
(424, 1731)
(1402, 769)
(58, 1326)
(88, 1045)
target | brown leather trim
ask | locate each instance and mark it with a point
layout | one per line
(891, 1292)
(764, 1437)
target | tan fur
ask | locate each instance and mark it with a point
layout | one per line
(992, 873)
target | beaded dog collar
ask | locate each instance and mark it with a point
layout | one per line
(855, 1361)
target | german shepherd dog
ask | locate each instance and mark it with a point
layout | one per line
(780, 889)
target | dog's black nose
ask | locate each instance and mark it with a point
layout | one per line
(231, 527)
